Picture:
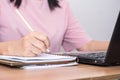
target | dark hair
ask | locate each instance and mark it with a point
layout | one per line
(52, 3)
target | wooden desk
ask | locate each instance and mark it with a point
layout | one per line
(80, 72)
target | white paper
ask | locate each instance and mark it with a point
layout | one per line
(49, 66)
(42, 60)
(40, 57)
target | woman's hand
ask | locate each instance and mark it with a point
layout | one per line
(31, 45)
(95, 46)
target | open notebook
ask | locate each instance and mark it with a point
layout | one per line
(42, 60)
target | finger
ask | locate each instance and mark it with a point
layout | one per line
(44, 39)
(36, 51)
(38, 44)
(29, 54)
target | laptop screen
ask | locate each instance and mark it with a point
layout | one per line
(113, 53)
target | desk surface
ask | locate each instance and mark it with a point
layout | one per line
(81, 72)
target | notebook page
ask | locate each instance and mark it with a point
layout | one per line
(41, 57)
(49, 66)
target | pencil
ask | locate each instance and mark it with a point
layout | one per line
(26, 23)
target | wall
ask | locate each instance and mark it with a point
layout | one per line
(98, 17)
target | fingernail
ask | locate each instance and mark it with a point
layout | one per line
(48, 50)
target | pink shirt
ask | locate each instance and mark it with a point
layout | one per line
(62, 28)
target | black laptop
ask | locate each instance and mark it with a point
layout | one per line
(109, 58)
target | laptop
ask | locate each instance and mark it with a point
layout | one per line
(109, 58)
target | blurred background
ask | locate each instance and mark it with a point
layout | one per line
(97, 17)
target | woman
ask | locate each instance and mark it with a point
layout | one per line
(53, 23)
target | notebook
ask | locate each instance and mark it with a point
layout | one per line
(110, 57)
(41, 60)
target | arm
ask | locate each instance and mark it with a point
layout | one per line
(77, 38)
(31, 45)
(95, 46)
(3, 47)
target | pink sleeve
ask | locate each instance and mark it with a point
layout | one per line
(75, 36)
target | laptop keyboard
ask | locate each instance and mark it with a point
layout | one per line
(98, 55)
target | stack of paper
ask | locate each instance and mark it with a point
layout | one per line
(42, 61)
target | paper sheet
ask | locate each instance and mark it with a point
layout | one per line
(40, 57)
(49, 66)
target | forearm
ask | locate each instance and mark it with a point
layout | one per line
(95, 46)
(3, 47)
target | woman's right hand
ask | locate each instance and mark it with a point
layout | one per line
(32, 44)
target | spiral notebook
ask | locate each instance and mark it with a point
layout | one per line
(41, 60)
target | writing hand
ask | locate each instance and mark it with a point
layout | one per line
(31, 45)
